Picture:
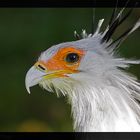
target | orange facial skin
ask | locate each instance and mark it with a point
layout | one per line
(58, 62)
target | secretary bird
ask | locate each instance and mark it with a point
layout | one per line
(91, 73)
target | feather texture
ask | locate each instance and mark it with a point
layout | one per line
(107, 104)
(103, 96)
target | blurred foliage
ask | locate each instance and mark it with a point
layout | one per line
(24, 34)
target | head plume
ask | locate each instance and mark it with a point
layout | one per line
(115, 21)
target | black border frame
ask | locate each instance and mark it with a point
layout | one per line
(68, 3)
(68, 135)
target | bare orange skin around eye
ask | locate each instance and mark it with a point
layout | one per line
(57, 62)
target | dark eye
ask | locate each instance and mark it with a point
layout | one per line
(72, 57)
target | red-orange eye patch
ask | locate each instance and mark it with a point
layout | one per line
(58, 61)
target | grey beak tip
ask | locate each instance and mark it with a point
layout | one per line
(28, 90)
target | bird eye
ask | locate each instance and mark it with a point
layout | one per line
(72, 58)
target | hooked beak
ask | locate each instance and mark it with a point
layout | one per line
(33, 77)
(39, 72)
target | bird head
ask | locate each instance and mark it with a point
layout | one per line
(90, 72)
(89, 59)
(66, 64)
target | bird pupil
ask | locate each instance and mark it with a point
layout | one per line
(72, 58)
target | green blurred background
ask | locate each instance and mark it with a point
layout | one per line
(24, 34)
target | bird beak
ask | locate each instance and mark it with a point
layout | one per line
(39, 72)
(33, 77)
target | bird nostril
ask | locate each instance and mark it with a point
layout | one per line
(41, 67)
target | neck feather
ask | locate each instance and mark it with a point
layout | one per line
(108, 107)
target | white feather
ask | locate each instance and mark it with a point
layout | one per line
(103, 97)
(98, 27)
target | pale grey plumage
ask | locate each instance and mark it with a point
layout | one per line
(102, 95)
